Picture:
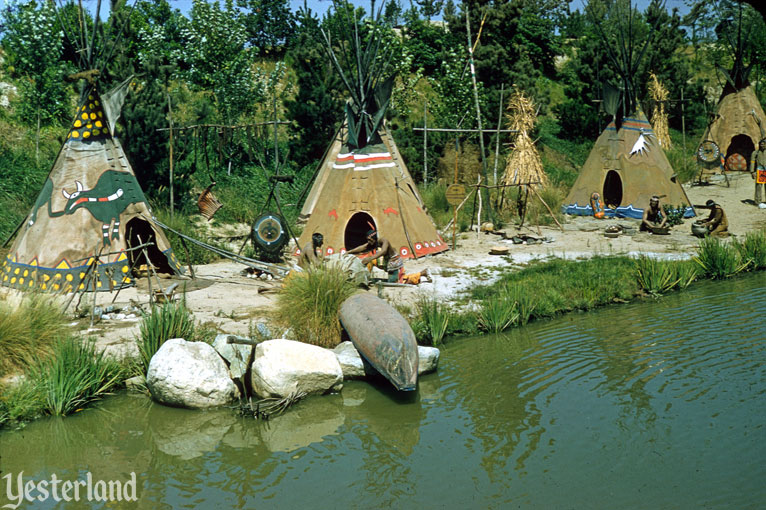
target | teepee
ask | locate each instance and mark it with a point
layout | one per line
(90, 211)
(736, 125)
(627, 165)
(363, 183)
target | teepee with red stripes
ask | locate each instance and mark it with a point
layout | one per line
(359, 189)
(363, 183)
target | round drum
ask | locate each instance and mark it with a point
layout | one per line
(736, 163)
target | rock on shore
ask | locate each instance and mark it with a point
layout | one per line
(282, 367)
(189, 374)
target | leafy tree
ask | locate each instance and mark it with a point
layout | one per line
(317, 108)
(34, 49)
(34, 46)
(430, 8)
(217, 59)
(270, 24)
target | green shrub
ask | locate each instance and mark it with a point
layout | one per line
(28, 330)
(21, 402)
(718, 260)
(655, 276)
(170, 320)
(499, 313)
(433, 318)
(309, 303)
(526, 302)
(752, 250)
(73, 375)
(686, 273)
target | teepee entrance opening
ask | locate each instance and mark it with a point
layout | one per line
(139, 232)
(743, 146)
(612, 189)
(356, 230)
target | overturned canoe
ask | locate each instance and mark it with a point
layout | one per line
(383, 337)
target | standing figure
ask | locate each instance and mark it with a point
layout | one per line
(653, 216)
(758, 172)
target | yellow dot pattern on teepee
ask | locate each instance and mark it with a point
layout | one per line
(90, 122)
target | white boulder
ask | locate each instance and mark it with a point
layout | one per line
(189, 374)
(237, 356)
(350, 361)
(282, 367)
(428, 359)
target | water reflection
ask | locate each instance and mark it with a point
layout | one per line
(666, 397)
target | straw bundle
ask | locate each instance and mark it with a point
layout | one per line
(659, 116)
(524, 165)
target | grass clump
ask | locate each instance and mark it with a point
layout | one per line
(73, 375)
(752, 250)
(310, 301)
(170, 320)
(718, 260)
(28, 330)
(655, 277)
(561, 286)
(433, 319)
(498, 314)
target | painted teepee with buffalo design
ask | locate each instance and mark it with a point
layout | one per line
(363, 183)
(91, 209)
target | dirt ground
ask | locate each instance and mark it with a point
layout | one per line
(224, 298)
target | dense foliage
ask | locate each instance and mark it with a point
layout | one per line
(227, 63)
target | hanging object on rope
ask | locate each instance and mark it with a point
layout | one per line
(269, 235)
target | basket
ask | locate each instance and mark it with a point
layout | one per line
(207, 203)
(663, 231)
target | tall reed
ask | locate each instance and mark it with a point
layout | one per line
(498, 314)
(655, 276)
(170, 320)
(309, 303)
(752, 250)
(74, 375)
(27, 330)
(718, 260)
(433, 318)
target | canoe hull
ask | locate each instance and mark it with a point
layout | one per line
(383, 337)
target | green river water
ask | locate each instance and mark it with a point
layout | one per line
(659, 404)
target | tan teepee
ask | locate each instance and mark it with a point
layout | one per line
(626, 167)
(90, 208)
(363, 183)
(360, 189)
(736, 126)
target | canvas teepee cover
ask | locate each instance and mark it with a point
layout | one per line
(359, 189)
(91, 203)
(734, 126)
(363, 183)
(734, 129)
(626, 167)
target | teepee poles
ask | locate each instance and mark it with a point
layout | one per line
(478, 114)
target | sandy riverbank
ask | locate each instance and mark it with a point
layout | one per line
(225, 299)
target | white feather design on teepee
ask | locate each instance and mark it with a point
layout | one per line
(642, 144)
